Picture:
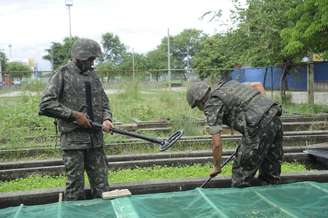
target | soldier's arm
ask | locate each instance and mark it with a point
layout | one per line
(107, 114)
(49, 104)
(214, 110)
(216, 153)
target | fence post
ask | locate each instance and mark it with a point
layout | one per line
(310, 81)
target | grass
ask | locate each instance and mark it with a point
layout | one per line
(21, 126)
(305, 109)
(131, 175)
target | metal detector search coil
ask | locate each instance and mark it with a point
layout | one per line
(164, 144)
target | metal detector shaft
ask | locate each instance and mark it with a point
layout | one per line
(135, 135)
(224, 163)
(164, 144)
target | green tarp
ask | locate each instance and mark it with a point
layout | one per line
(305, 199)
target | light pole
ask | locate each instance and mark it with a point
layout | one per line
(68, 4)
(133, 71)
(1, 69)
(9, 48)
(309, 79)
(168, 58)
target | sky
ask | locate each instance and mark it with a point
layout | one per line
(28, 27)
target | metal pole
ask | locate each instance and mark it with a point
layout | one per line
(133, 72)
(168, 58)
(0, 72)
(310, 81)
(10, 51)
(52, 59)
(69, 18)
(69, 3)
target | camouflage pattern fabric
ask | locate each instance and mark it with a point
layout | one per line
(262, 151)
(244, 106)
(259, 122)
(93, 161)
(82, 49)
(196, 92)
(82, 148)
(66, 93)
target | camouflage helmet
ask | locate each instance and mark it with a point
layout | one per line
(83, 49)
(196, 92)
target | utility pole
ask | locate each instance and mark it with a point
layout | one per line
(133, 72)
(68, 4)
(310, 81)
(52, 59)
(168, 58)
(0, 72)
(10, 50)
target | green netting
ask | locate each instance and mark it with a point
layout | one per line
(305, 199)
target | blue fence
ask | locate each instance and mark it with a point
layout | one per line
(270, 76)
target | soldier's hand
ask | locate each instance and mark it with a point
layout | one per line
(107, 125)
(215, 172)
(81, 119)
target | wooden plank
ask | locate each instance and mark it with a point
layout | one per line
(116, 193)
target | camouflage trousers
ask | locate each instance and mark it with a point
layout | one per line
(93, 161)
(260, 152)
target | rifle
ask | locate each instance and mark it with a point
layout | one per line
(164, 143)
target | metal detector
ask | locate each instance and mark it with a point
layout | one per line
(164, 143)
(224, 163)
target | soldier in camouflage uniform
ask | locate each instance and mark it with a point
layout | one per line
(65, 100)
(256, 117)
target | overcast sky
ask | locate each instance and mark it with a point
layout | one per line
(30, 26)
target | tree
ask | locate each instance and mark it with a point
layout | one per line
(105, 69)
(210, 58)
(183, 48)
(114, 50)
(185, 45)
(18, 70)
(3, 60)
(157, 60)
(307, 31)
(60, 53)
(256, 39)
(140, 64)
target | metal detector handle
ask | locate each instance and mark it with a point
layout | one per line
(224, 163)
(123, 132)
(135, 135)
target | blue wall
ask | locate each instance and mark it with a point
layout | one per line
(270, 76)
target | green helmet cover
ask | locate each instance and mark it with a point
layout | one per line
(196, 92)
(83, 49)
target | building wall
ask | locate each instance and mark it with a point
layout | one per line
(297, 78)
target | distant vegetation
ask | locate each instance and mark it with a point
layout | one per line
(265, 32)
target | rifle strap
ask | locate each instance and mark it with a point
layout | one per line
(56, 130)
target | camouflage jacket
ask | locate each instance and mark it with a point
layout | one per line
(66, 93)
(238, 107)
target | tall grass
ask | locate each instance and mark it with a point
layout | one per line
(20, 124)
(304, 108)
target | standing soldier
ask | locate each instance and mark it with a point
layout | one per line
(256, 117)
(65, 100)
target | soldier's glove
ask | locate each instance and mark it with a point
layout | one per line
(81, 119)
